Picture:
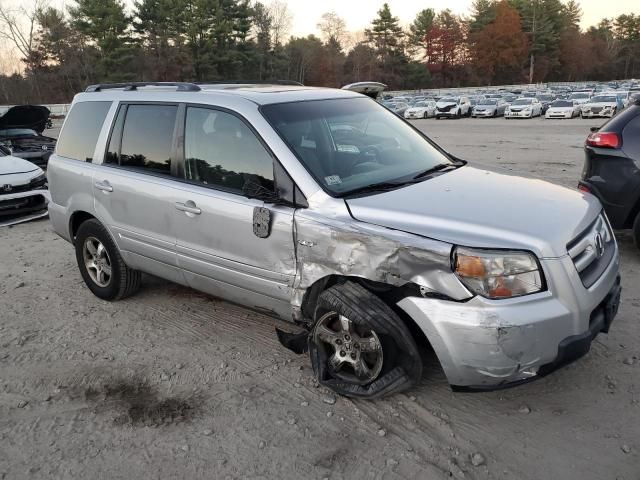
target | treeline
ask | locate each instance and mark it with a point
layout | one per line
(500, 42)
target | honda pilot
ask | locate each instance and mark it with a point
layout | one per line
(323, 208)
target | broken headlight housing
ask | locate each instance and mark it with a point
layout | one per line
(497, 274)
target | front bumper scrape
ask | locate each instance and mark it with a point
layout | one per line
(485, 345)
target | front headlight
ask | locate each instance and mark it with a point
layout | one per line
(498, 274)
(38, 181)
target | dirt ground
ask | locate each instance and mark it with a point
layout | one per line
(175, 384)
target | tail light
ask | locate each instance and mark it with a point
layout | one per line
(583, 188)
(603, 140)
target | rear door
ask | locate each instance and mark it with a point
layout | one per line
(218, 249)
(134, 188)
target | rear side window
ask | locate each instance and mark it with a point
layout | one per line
(221, 151)
(142, 138)
(81, 130)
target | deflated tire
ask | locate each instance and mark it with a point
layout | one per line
(359, 347)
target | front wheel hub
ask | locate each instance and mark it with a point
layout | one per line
(354, 353)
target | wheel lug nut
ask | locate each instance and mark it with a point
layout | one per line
(356, 346)
(347, 338)
(342, 353)
(353, 356)
(338, 341)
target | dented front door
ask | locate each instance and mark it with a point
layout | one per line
(220, 253)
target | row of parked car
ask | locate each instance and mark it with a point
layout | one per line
(586, 103)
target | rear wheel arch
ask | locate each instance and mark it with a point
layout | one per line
(77, 219)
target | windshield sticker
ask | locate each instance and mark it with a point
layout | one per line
(348, 148)
(333, 180)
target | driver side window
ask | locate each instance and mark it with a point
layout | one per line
(222, 152)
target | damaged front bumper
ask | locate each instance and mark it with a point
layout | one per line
(489, 344)
(23, 206)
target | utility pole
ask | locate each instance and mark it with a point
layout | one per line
(532, 60)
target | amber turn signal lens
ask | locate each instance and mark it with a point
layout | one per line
(469, 266)
(500, 291)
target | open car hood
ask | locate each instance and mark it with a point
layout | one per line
(26, 116)
(370, 89)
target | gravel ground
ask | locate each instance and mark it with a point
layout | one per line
(172, 383)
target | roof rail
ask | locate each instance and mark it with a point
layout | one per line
(129, 86)
(251, 82)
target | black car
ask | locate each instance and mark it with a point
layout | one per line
(21, 130)
(612, 169)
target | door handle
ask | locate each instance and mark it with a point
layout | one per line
(188, 207)
(104, 186)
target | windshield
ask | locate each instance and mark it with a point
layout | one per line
(579, 95)
(604, 99)
(489, 101)
(421, 104)
(545, 98)
(523, 101)
(363, 144)
(16, 132)
(449, 99)
(562, 103)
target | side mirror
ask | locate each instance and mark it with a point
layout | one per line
(594, 129)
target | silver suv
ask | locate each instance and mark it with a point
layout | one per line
(323, 208)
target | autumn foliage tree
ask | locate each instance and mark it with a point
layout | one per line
(500, 47)
(446, 47)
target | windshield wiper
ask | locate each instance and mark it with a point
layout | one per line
(377, 187)
(437, 168)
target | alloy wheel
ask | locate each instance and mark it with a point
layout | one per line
(97, 261)
(354, 353)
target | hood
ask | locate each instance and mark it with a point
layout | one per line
(417, 109)
(446, 104)
(11, 165)
(601, 104)
(26, 116)
(480, 208)
(370, 89)
(16, 171)
(560, 109)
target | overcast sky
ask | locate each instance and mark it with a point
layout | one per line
(359, 13)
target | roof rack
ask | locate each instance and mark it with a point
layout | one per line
(181, 86)
(252, 82)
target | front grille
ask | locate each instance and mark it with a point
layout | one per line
(593, 250)
(22, 206)
(596, 109)
(15, 188)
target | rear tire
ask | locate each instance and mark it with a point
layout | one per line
(101, 265)
(392, 354)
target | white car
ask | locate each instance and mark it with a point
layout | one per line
(424, 109)
(524, 107)
(453, 107)
(23, 193)
(580, 97)
(605, 105)
(562, 109)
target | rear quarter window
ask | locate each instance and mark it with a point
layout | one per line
(81, 130)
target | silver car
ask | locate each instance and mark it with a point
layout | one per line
(323, 208)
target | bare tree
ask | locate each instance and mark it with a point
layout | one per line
(333, 27)
(18, 25)
(281, 19)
